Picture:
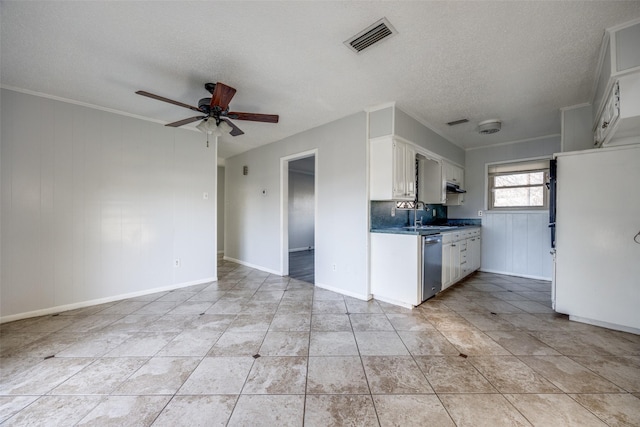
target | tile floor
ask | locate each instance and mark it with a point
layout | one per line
(255, 349)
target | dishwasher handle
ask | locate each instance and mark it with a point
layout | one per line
(432, 241)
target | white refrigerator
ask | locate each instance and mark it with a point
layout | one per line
(597, 218)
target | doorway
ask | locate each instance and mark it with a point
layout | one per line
(299, 214)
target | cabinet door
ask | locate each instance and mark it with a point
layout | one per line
(399, 170)
(446, 265)
(456, 271)
(410, 171)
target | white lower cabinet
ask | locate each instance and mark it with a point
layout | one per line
(396, 268)
(460, 255)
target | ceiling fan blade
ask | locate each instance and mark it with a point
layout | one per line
(170, 101)
(235, 130)
(254, 117)
(185, 121)
(222, 95)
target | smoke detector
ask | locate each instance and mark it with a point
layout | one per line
(489, 126)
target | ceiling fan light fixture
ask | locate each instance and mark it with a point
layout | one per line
(224, 127)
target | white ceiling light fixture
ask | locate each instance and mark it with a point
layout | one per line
(210, 127)
(488, 127)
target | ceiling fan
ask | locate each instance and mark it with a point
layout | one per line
(214, 111)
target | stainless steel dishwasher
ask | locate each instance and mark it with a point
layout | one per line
(431, 265)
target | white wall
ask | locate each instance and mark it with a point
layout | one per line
(301, 210)
(220, 209)
(96, 206)
(252, 229)
(513, 243)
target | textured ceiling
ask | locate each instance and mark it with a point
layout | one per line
(516, 61)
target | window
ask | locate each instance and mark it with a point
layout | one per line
(518, 185)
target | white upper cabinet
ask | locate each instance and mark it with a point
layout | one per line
(430, 182)
(392, 170)
(616, 104)
(454, 174)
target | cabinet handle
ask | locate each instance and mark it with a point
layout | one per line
(604, 125)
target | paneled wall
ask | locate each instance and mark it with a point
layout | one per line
(97, 206)
(517, 244)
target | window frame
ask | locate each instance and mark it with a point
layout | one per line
(517, 167)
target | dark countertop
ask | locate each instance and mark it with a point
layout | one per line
(421, 232)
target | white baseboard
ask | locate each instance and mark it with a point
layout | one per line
(83, 304)
(394, 302)
(306, 248)
(510, 273)
(605, 324)
(362, 297)
(248, 264)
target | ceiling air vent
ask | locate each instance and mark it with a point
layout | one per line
(371, 35)
(458, 122)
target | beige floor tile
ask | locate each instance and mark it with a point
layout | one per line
(622, 371)
(101, 377)
(237, 344)
(95, 345)
(488, 322)
(474, 343)
(568, 375)
(211, 322)
(197, 411)
(157, 307)
(395, 375)
(285, 344)
(482, 410)
(326, 295)
(449, 322)
(521, 343)
(43, 377)
(251, 323)
(218, 375)
(268, 410)
(329, 306)
(142, 344)
(407, 410)
(331, 323)
(54, 411)
(332, 344)
(370, 322)
(427, 343)
(359, 306)
(160, 375)
(294, 306)
(410, 322)
(553, 410)
(380, 344)
(277, 375)
(119, 411)
(614, 409)
(10, 405)
(191, 343)
(285, 322)
(510, 375)
(192, 307)
(336, 375)
(453, 374)
(338, 410)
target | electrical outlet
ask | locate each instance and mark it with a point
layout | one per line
(176, 262)
(433, 214)
(479, 213)
(393, 211)
(205, 196)
(334, 267)
(264, 192)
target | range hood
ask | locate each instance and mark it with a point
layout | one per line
(454, 188)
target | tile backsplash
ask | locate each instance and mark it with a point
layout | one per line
(381, 216)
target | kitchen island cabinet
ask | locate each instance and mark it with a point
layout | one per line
(396, 262)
